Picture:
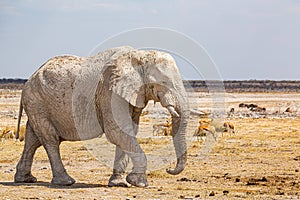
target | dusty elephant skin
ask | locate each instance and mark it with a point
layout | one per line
(71, 98)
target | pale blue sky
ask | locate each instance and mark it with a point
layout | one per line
(249, 39)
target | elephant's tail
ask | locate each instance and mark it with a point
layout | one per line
(19, 119)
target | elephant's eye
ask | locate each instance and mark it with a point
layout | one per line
(166, 84)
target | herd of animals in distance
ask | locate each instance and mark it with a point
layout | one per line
(205, 124)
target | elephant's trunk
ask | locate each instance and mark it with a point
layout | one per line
(180, 114)
(179, 125)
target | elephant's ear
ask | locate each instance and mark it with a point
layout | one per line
(126, 78)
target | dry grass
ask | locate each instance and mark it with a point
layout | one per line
(260, 162)
(6, 93)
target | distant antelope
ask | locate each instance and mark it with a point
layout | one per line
(228, 127)
(7, 133)
(252, 106)
(204, 128)
(243, 105)
(10, 133)
(164, 129)
(289, 110)
(258, 109)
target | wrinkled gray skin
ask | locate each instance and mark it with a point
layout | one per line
(71, 98)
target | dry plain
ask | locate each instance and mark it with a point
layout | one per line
(260, 161)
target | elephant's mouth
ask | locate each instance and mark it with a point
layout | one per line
(172, 111)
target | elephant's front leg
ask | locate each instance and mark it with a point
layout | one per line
(127, 146)
(120, 164)
(137, 177)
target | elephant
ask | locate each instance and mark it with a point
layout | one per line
(72, 98)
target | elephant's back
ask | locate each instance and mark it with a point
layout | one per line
(58, 72)
(55, 78)
(53, 82)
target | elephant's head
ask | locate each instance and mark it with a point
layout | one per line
(140, 76)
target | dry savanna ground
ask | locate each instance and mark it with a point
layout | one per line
(260, 161)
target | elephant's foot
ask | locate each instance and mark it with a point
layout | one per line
(117, 180)
(137, 179)
(28, 178)
(65, 180)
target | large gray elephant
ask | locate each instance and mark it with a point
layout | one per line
(71, 98)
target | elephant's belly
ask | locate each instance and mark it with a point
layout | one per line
(89, 136)
(81, 129)
(72, 134)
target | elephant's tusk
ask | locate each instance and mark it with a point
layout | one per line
(196, 112)
(172, 111)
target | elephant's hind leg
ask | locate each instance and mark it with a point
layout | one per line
(23, 174)
(51, 144)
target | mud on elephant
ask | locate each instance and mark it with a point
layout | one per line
(72, 98)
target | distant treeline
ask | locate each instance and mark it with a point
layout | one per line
(12, 80)
(11, 83)
(244, 85)
(205, 86)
